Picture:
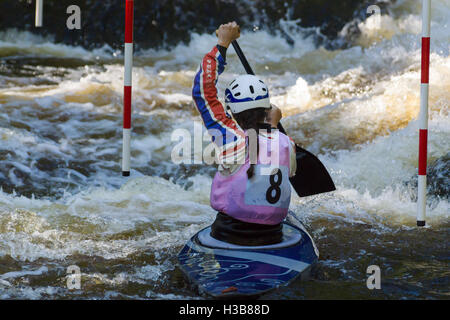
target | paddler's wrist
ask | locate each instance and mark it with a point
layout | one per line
(222, 50)
(226, 33)
(224, 44)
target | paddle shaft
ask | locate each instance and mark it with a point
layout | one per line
(242, 57)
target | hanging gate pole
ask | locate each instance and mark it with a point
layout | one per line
(423, 116)
(128, 63)
(39, 13)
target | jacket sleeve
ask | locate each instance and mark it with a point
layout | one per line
(226, 134)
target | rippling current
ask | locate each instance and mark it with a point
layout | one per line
(64, 202)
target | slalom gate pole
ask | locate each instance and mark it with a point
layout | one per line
(128, 64)
(39, 13)
(423, 116)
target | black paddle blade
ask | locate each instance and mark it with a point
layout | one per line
(311, 176)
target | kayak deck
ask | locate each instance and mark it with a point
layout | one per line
(223, 270)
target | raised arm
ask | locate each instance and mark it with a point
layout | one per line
(226, 133)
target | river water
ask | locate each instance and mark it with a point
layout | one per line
(64, 202)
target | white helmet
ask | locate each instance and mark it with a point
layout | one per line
(246, 92)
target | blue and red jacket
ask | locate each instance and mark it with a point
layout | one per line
(225, 132)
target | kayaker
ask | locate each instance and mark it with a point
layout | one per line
(251, 189)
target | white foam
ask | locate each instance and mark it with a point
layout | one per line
(355, 106)
(38, 229)
(24, 42)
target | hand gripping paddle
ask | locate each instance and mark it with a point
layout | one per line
(311, 176)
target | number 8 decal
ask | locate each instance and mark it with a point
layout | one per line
(274, 185)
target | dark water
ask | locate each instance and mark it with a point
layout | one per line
(172, 21)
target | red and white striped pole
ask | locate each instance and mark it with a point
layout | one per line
(423, 116)
(128, 63)
(39, 13)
